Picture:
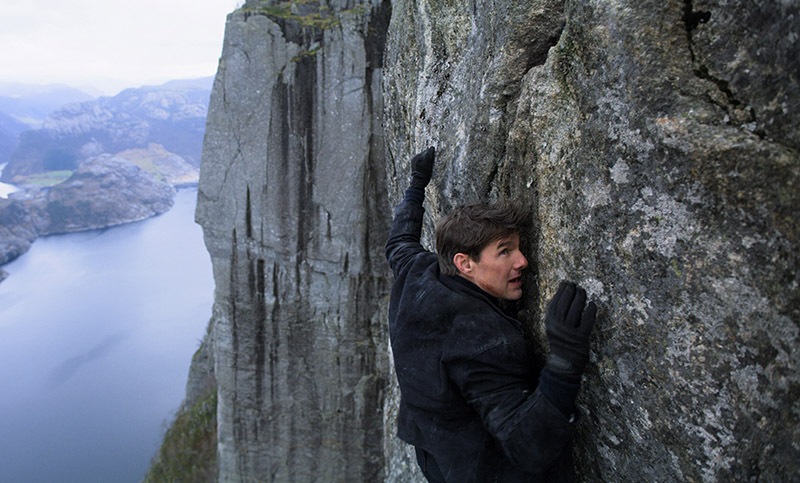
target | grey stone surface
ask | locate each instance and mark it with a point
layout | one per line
(293, 205)
(656, 145)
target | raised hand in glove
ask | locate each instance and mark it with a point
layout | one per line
(422, 168)
(568, 326)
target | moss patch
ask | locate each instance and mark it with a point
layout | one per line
(314, 14)
(48, 178)
(189, 449)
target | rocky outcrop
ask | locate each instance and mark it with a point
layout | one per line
(105, 191)
(292, 201)
(17, 230)
(165, 166)
(656, 144)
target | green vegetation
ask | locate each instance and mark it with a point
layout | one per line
(305, 53)
(319, 16)
(314, 15)
(149, 166)
(675, 268)
(147, 159)
(189, 449)
(48, 178)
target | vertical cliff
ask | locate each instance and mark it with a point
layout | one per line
(656, 143)
(293, 205)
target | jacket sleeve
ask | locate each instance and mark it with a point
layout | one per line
(404, 236)
(530, 429)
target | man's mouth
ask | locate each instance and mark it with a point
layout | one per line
(516, 280)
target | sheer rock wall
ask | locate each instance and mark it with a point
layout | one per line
(293, 206)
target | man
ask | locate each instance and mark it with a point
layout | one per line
(472, 402)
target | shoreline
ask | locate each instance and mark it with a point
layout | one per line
(5, 188)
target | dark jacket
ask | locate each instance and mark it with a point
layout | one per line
(470, 399)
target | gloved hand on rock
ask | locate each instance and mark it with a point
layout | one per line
(422, 168)
(568, 326)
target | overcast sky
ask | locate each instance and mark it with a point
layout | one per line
(110, 44)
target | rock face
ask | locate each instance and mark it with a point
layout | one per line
(292, 201)
(656, 145)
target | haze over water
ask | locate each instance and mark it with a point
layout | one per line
(97, 331)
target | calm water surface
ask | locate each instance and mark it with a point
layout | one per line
(97, 331)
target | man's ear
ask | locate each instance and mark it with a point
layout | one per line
(463, 263)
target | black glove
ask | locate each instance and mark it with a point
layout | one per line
(422, 168)
(568, 328)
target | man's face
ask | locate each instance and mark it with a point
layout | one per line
(499, 271)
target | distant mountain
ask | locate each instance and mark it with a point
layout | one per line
(202, 83)
(31, 104)
(10, 129)
(26, 106)
(171, 115)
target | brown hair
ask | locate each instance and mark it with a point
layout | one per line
(469, 229)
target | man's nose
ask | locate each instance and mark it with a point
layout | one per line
(522, 262)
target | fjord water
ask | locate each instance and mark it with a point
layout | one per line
(97, 331)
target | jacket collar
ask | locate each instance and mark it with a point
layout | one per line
(461, 284)
(469, 287)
